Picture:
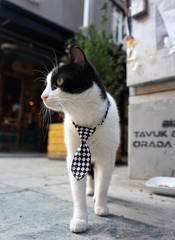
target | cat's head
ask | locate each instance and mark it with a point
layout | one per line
(72, 82)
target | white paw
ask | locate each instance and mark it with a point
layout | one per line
(102, 211)
(90, 192)
(78, 225)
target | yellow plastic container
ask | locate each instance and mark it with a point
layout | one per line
(56, 148)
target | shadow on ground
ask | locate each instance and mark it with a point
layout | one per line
(26, 215)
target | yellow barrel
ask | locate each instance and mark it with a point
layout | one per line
(56, 148)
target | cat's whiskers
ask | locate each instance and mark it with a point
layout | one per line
(47, 70)
(40, 79)
(42, 72)
(58, 107)
(53, 64)
(45, 114)
(55, 57)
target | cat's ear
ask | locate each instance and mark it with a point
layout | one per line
(78, 57)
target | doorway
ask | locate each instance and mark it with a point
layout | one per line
(20, 104)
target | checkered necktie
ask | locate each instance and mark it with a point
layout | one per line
(82, 159)
(81, 163)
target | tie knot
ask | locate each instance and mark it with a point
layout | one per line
(84, 132)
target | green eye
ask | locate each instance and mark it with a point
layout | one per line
(60, 81)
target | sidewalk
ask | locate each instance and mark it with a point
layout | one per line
(35, 203)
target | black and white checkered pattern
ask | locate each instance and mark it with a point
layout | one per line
(82, 159)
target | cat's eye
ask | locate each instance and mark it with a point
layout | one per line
(59, 81)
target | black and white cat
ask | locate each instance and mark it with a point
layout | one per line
(76, 90)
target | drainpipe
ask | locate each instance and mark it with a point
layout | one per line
(86, 13)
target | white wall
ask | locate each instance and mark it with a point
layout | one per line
(152, 58)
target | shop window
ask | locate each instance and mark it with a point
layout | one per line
(118, 28)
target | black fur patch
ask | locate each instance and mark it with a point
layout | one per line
(76, 79)
(91, 172)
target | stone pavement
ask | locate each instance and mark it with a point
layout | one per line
(35, 203)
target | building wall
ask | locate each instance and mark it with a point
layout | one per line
(95, 15)
(69, 13)
(151, 79)
(66, 13)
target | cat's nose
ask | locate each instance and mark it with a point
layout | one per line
(44, 97)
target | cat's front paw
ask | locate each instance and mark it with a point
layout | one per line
(102, 211)
(78, 225)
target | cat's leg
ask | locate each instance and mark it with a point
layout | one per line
(79, 222)
(103, 173)
(90, 182)
(90, 186)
